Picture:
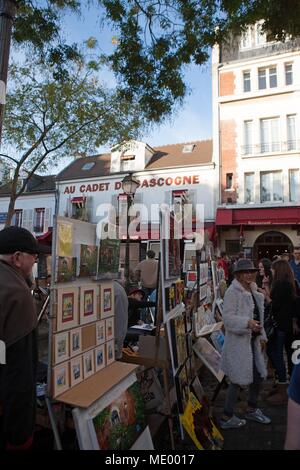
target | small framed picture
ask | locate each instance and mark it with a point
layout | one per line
(110, 352)
(107, 300)
(100, 332)
(61, 379)
(75, 342)
(109, 328)
(76, 371)
(88, 304)
(100, 357)
(61, 347)
(88, 364)
(67, 308)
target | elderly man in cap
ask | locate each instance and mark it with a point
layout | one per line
(18, 253)
(242, 360)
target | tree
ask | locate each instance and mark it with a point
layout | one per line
(46, 117)
(156, 39)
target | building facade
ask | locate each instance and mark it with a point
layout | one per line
(256, 135)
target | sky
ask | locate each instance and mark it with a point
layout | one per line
(193, 121)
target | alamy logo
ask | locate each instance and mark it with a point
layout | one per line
(2, 352)
(296, 354)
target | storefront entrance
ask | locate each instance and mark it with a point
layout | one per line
(270, 244)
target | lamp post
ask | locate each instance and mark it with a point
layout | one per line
(129, 185)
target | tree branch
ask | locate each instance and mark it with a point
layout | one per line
(10, 158)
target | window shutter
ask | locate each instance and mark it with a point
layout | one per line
(47, 222)
(25, 219)
(30, 220)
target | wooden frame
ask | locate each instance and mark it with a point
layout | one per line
(100, 332)
(110, 328)
(75, 342)
(110, 352)
(67, 308)
(88, 304)
(88, 364)
(61, 379)
(107, 300)
(100, 357)
(61, 347)
(76, 371)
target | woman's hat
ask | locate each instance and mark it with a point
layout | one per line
(243, 265)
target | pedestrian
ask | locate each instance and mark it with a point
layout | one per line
(223, 263)
(146, 272)
(135, 303)
(121, 317)
(292, 440)
(284, 307)
(242, 358)
(295, 263)
(264, 275)
(18, 322)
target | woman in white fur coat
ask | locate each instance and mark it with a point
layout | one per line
(243, 360)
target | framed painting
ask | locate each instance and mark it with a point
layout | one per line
(61, 347)
(109, 328)
(61, 380)
(76, 371)
(110, 352)
(178, 340)
(209, 356)
(88, 304)
(100, 332)
(64, 239)
(100, 357)
(107, 300)
(88, 364)
(109, 256)
(67, 308)
(75, 342)
(66, 269)
(88, 260)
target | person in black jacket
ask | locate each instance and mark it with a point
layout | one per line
(135, 303)
(285, 310)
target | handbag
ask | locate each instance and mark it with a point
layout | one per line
(269, 322)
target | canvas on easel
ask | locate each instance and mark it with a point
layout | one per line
(67, 308)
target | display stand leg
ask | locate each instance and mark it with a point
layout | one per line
(169, 406)
(218, 388)
(53, 425)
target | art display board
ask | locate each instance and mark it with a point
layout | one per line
(82, 309)
(115, 410)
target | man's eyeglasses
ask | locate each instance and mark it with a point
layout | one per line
(34, 255)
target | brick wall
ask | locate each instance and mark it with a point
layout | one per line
(227, 85)
(228, 158)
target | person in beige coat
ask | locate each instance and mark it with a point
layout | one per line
(243, 360)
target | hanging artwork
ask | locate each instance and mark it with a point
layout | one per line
(67, 308)
(109, 257)
(75, 342)
(76, 371)
(109, 328)
(107, 300)
(110, 352)
(88, 364)
(88, 260)
(200, 427)
(100, 357)
(191, 279)
(61, 347)
(65, 239)
(88, 304)
(100, 332)
(66, 269)
(209, 356)
(119, 425)
(61, 379)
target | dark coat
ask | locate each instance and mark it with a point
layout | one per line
(285, 305)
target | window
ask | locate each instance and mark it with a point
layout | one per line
(246, 40)
(294, 185)
(288, 74)
(39, 218)
(271, 186)
(247, 81)
(291, 132)
(229, 180)
(248, 126)
(267, 77)
(269, 132)
(88, 166)
(17, 218)
(249, 188)
(127, 162)
(260, 35)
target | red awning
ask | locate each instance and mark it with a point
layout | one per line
(46, 238)
(76, 200)
(267, 216)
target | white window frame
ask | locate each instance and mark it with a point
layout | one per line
(297, 183)
(267, 77)
(272, 186)
(260, 37)
(252, 174)
(269, 145)
(248, 142)
(289, 64)
(37, 216)
(291, 142)
(246, 72)
(246, 38)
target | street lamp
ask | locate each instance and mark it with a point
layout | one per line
(129, 185)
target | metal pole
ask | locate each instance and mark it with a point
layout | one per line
(7, 14)
(127, 260)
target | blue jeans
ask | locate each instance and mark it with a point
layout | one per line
(275, 348)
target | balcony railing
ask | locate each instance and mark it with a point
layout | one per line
(271, 147)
